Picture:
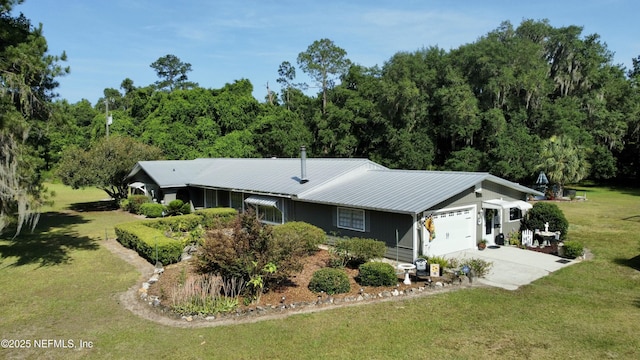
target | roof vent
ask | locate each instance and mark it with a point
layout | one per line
(303, 165)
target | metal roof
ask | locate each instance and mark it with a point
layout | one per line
(171, 173)
(275, 176)
(260, 175)
(358, 183)
(404, 191)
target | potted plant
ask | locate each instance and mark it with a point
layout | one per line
(482, 244)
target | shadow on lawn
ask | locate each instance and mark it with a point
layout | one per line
(50, 243)
(633, 263)
(635, 218)
(101, 205)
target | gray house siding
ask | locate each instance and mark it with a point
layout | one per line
(379, 225)
(492, 190)
(467, 197)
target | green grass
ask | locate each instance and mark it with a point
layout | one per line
(60, 283)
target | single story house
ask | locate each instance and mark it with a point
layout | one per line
(350, 197)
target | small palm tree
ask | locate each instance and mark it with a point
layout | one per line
(563, 161)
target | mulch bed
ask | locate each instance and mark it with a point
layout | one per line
(551, 249)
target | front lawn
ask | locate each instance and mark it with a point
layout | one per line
(60, 283)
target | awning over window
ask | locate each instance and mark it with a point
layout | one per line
(262, 201)
(137, 185)
(140, 186)
(522, 205)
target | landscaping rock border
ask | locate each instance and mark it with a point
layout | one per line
(323, 302)
(151, 308)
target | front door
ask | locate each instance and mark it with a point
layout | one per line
(491, 225)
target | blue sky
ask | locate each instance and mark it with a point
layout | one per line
(226, 40)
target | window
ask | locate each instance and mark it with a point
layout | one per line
(269, 214)
(352, 219)
(237, 201)
(268, 209)
(210, 198)
(515, 214)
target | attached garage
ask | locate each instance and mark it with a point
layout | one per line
(455, 230)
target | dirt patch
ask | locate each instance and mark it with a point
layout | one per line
(297, 296)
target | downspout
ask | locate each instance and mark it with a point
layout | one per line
(416, 237)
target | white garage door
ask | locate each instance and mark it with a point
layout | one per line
(455, 230)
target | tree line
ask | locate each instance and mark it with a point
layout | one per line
(517, 101)
(498, 104)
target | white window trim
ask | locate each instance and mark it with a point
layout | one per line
(364, 225)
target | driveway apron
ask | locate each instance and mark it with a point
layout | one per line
(514, 267)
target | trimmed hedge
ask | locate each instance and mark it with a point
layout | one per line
(145, 240)
(151, 210)
(377, 274)
(331, 281)
(181, 223)
(215, 218)
(573, 249)
(142, 236)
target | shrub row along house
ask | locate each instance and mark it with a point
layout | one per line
(349, 197)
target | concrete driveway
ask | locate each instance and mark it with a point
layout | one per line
(514, 267)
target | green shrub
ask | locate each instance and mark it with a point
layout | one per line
(443, 262)
(124, 204)
(573, 249)
(216, 218)
(178, 207)
(135, 201)
(543, 212)
(149, 242)
(336, 259)
(377, 274)
(249, 248)
(308, 235)
(479, 267)
(514, 238)
(151, 210)
(359, 250)
(331, 281)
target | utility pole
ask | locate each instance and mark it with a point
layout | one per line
(269, 94)
(108, 117)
